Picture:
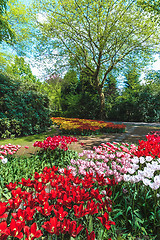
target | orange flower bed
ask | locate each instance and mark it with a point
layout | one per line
(86, 126)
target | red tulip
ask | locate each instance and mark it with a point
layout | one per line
(3, 209)
(46, 209)
(32, 232)
(90, 236)
(73, 229)
(60, 214)
(24, 215)
(11, 186)
(15, 228)
(52, 226)
(105, 222)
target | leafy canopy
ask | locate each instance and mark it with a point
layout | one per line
(6, 31)
(98, 34)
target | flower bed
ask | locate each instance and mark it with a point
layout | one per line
(8, 149)
(55, 142)
(112, 191)
(86, 126)
(68, 207)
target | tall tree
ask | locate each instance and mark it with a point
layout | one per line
(99, 34)
(19, 69)
(152, 80)
(132, 76)
(153, 76)
(111, 85)
(52, 86)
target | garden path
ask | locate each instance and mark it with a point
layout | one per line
(134, 132)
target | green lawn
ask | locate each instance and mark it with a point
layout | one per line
(28, 140)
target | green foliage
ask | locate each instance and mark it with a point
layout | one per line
(135, 210)
(10, 128)
(85, 104)
(110, 92)
(6, 31)
(69, 89)
(149, 104)
(79, 95)
(132, 77)
(152, 80)
(29, 140)
(52, 87)
(97, 36)
(5, 58)
(21, 70)
(151, 6)
(57, 157)
(29, 107)
(139, 103)
(19, 17)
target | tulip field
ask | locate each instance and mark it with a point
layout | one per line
(111, 192)
(78, 126)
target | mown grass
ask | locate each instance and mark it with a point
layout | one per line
(29, 140)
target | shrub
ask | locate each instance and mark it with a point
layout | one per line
(29, 107)
(10, 128)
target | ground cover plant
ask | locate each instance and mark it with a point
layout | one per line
(64, 191)
(86, 126)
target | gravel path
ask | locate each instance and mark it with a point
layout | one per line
(134, 132)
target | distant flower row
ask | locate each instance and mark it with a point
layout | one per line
(86, 126)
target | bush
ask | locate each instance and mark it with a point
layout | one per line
(29, 107)
(138, 106)
(10, 128)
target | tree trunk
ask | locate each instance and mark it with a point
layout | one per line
(103, 115)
